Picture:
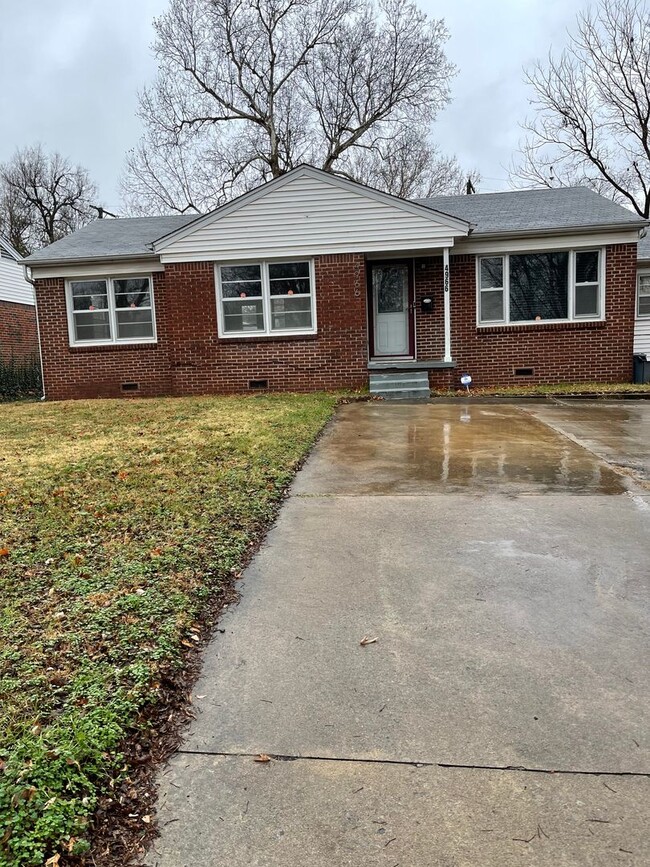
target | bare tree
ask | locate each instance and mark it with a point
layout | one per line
(248, 89)
(592, 122)
(43, 197)
(409, 166)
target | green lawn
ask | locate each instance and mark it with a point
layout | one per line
(119, 521)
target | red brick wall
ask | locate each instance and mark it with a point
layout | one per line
(429, 327)
(560, 352)
(189, 357)
(18, 335)
(85, 371)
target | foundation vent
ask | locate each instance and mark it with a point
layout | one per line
(130, 386)
(258, 384)
(524, 371)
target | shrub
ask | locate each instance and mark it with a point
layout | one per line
(20, 379)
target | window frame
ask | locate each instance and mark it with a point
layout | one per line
(114, 340)
(640, 274)
(571, 287)
(267, 333)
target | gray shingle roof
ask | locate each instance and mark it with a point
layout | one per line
(126, 236)
(533, 210)
(520, 211)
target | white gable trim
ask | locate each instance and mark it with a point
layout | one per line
(457, 227)
(6, 246)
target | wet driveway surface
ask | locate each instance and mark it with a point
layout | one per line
(501, 716)
(445, 448)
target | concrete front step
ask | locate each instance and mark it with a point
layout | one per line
(404, 394)
(397, 385)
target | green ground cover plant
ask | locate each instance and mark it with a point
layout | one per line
(119, 521)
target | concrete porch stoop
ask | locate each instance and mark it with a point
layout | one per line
(400, 385)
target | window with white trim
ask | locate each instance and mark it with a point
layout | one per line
(522, 288)
(266, 298)
(643, 295)
(111, 310)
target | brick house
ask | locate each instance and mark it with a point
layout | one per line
(18, 334)
(315, 282)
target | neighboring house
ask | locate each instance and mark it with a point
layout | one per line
(642, 324)
(312, 281)
(18, 332)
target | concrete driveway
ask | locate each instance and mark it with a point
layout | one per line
(501, 716)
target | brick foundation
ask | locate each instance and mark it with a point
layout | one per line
(18, 333)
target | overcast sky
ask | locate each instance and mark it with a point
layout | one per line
(70, 71)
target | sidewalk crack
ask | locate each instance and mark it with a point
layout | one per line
(413, 763)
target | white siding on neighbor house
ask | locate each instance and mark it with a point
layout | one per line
(13, 286)
(641, 323)
(308, 216)
(642, 335)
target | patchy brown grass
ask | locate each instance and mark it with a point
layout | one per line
(123, 525)
(598, 389)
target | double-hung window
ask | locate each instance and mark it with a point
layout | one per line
(111, 310)
(547, 286)
(643, 295)
(266, 298)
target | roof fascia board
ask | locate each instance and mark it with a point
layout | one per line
(10, 249)
(543, 241)
(80, 260)
(462, 226)
(601, 227)
(89, 267)
(425, 247)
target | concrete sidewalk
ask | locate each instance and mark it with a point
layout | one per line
(503, 570)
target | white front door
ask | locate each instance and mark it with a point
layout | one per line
(390, 299)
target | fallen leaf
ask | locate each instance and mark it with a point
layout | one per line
(4, 552)
(122, 475)
(146, 820)
(53, 861)
(155, 552)
(365, 641)
(262, 758)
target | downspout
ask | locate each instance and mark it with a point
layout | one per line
(28, 279)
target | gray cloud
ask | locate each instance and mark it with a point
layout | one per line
(70, 71)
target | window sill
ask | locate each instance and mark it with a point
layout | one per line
(102, 347)
(268, 338)
(576, 324)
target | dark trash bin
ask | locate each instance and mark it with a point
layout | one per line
(641, 370)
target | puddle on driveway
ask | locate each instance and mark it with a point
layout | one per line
(389, 448)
